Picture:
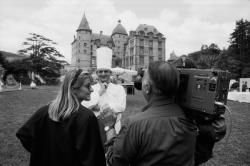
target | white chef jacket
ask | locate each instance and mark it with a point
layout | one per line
(114, 97)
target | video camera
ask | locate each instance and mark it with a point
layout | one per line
(201, 89)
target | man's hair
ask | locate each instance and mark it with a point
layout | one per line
(165, 77)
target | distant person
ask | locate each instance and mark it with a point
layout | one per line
(244, 87)
(120, 80)
(64, 133)
(160, 134)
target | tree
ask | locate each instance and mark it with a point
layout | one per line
(18, 68)
(2, 60)
(240, 46)
(43, 57)
(227, 61)
(2, 65)
(207, 57)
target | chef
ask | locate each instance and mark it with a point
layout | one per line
(106, 96)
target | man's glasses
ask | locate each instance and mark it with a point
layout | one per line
(103, 71)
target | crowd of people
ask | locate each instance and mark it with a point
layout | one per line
(82, 126)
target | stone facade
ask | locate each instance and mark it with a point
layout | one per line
(144, 45)
(131, 51)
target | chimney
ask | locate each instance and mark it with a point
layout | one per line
(100, 32)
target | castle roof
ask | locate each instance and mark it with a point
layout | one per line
(119, 29)
(104, 39)
(147, 28)
(84, 25)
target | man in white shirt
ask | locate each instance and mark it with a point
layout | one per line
(106, 96)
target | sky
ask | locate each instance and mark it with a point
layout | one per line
(186, 24)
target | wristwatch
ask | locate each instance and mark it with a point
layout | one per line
(107, 128)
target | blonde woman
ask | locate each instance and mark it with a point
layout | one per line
(64, 132)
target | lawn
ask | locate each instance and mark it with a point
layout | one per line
(17, 106)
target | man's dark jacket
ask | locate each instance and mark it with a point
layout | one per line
(161, 135)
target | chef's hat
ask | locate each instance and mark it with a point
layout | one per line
(104, 58)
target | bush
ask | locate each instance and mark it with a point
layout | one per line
(235, 86)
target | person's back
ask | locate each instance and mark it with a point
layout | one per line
(54, 142)
(161, 135)
(64, 132)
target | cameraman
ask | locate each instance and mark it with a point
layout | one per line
(160, 134)
(211, 129)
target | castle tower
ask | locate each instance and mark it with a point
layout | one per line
(173, 56)
(82, 47)
(119, 36)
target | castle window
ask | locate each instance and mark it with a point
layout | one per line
(159, 51)
(131, 42)
(159, 44)
(131, 60)
(151, 59)
(85, 44)
(150, 51)
(93, 61)
(141, 50)
(150, 34)
(150, 43)
(141, 59)
(85, 51)
(141, 42)
(131, 51)
(141, 33)
(159, 35)
(127, 63)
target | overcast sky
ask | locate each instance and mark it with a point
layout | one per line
(186, 24)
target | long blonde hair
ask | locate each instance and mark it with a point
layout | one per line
(66, 101)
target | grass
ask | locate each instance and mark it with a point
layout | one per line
(17, 106)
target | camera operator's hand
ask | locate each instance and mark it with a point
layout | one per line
(213, 128)
(219, 127)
